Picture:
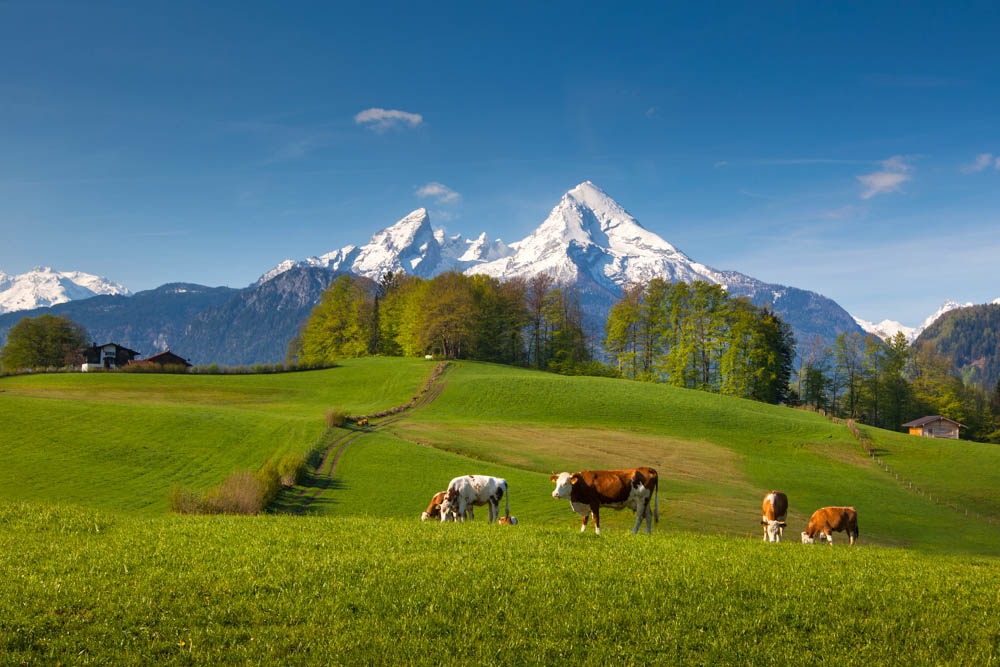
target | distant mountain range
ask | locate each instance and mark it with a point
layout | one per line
(887, 329)
(43, 287)
(588, 240)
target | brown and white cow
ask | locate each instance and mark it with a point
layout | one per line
(828, 520)
(508, 521)
(464, 492)
(589, 490)
(433, 510)
(773, 512)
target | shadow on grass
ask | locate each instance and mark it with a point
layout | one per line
(308, 498)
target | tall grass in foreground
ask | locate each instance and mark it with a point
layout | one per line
(86, 586)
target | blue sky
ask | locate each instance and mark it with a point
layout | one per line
(850, 149)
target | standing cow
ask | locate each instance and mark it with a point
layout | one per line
(433, 510)
(464, 492)
(824, 522)
(774, 511)
(589, 490)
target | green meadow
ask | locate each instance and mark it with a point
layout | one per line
(120, 441)
(95, 569)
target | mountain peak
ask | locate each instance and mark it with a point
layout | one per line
(43, 286)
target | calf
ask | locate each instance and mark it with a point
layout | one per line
(508, 521)
(774, 511)
(589, 490)
(824, 522)
(433, 510)
(464, 492)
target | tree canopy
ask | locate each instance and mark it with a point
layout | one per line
(43, 341)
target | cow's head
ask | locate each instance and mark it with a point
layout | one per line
(773, 529)
(806, 539)
(449, 506)
(564, 484)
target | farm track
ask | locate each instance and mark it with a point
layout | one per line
(322, 481)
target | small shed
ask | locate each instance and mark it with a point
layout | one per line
(109, 355)
(934, 426)
(165, 358)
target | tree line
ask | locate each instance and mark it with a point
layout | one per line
(889, 383)
(530, 322)
(695, 335)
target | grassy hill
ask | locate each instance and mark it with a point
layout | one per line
(120, 441)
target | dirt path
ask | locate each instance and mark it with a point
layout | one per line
(322, 478)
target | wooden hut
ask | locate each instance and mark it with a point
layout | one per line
(934, 426)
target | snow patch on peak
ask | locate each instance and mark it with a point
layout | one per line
(887, 329)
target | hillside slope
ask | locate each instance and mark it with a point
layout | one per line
(120, 441)
(970, 336)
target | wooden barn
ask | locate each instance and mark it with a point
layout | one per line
(109, 355)
(165, 358)
(934, 426)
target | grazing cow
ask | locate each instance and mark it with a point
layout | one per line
(433, 510)
(774, 511)
(826, 521)
(589, 490)
(508, 521)
(464, 492)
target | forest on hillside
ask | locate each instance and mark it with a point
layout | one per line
(970, 336)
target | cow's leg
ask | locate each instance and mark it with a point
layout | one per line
(639, 513)
(472, 515)
(829, 537)
(596, 511)
(461, 510)
(649, 518)
(583, 526)
(494, 509)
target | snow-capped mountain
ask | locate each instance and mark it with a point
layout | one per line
(410, 245)
(43, 287)
(886, 329)
(589, 241)
(589, 235)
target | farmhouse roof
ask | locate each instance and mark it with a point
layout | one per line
(166, 358)
(120, 347)
(932, 418)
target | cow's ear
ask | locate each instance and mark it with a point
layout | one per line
(763, 523)
(782, 524)
(574, 479)
(554, 477)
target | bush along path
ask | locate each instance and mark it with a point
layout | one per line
(301, 500)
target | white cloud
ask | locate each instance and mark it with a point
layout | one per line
(384, 119)
(650, 112)
(721, 163)
(983, 161)
(888, 180)
(440, 192)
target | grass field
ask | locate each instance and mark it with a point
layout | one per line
(120, 441)
(355, 577)
(82, 586)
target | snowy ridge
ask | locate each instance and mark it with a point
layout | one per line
(42, 287)
(886, 329)
(410, 245)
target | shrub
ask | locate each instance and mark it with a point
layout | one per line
(291, 469)
(336, 417)
(185, 501)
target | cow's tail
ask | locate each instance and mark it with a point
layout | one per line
(656, 501)
(507, 496)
